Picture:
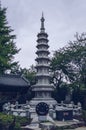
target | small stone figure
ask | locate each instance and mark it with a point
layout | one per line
(79, 104)
(16, 104)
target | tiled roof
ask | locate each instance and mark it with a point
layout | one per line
(13, 80)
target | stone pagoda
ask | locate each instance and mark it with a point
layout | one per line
(42, 88)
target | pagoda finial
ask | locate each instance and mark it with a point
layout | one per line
(42, 15)
(42, 23)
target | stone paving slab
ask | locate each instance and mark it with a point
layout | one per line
(65, 123)
(81, 128)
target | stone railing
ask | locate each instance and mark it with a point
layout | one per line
(25, 110)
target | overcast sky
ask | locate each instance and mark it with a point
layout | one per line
(63, 18)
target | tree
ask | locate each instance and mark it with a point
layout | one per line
(69, 64)
(62, 73)
(8, 48)
(77, 50)
(29, 74)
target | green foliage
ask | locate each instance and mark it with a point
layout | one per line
(78, 51)
(84, 115)
(60, 93)
(22, 120)
(8, 48)
(68, 65)
(17, 126)
(7, 120)
(29, 74)
(69, 62)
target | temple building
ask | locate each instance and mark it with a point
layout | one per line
(12, 87)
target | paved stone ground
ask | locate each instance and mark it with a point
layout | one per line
(81, 128)
(65, 123)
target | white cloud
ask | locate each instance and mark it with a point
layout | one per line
(63, 18)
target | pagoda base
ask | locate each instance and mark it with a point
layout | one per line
(35, 101)
(49, 101)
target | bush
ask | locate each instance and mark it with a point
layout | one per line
(6, 119)
(17, 126)
(9, 121)
(22, 120)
